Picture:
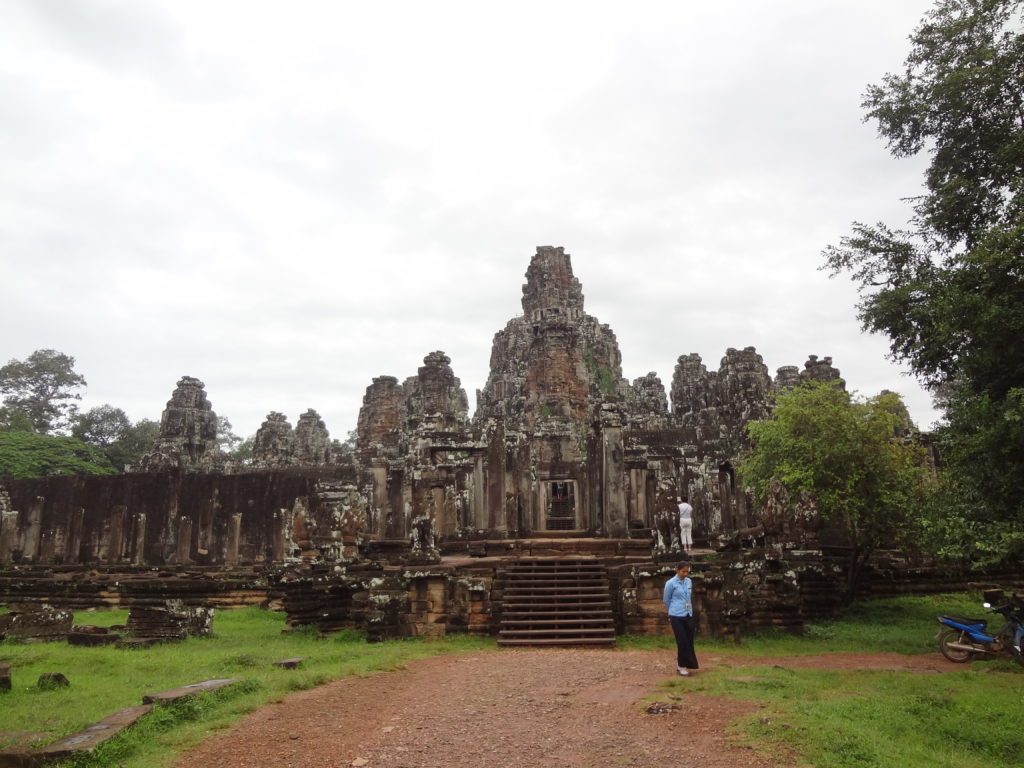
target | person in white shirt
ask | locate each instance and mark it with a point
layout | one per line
(685, 523)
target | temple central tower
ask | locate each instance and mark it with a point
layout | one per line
(552, 365)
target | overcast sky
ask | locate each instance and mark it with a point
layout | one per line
(286, 200)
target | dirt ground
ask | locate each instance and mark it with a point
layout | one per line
(564, 708)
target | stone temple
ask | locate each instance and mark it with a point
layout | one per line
(560, 441)
(421, 524)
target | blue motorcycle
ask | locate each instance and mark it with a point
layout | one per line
(964, 639)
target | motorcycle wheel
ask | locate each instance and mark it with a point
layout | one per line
(953, 654)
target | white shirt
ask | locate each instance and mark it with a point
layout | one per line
(685, 512)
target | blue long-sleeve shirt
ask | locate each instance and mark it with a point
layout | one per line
(678, 597)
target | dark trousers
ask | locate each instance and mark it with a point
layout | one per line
(683, 628)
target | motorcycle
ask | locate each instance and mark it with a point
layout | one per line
(964, 639)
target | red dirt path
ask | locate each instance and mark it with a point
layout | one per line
(533, 708)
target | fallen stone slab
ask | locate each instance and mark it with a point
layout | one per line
(92, 639)
(16, 754)
(289, 663)
(173, 695)
(36, 622)
(16, 757)
(88, 739)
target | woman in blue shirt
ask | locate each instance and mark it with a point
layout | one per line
(678, 599)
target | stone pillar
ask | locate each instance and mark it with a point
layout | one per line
(281, 518)
(115, 533)
(613, 492)
(184, 541)
(380, 496)
(478, 497)
(33, 531)
(139, 553)
(234, 532)
(73, 536)
(8, 530)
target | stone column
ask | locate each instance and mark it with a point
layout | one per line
(184, 541)
(613, 491)
(139, 555)
(8, 532)
(115, 533)
(281, 519)
(234, 532)
(33, 531)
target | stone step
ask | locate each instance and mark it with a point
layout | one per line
(558, 641)
(555, 601)
(526, 591)
(548, 634)
(560, 621)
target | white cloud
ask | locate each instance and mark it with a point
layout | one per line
(286, 201)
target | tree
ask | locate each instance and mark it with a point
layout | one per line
(853, 457)
(111, 431)
(28, 454)
(134, 443)
(948, 291)
(14, 420)
(242, 452)
(43, 387)
(101, 426)
(227, 440)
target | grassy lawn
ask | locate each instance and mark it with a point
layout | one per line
(970, 717)
(833, 719)
(245, 645)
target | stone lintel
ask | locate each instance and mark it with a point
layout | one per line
(89, 738)
(171, 696)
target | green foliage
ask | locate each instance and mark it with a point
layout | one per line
(858, 718)
(949, 290)
(245, 645)
(606, 381)
(227, 440)
(242, 452)
(852, 457)
(853, 718)
(27, 454)
(43, 387)
(960, 98)
(101, 426)
(110, 430)
(980, 441)
(133, 444)
(14, 420)
(892, 625)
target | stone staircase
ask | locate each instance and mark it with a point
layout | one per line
(556, 601)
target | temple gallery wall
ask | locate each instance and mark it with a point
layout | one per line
(561, 457)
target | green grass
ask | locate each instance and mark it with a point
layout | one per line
(855, 719)
(245, 645)
(967, 718)
(894, 625)
(832, 719)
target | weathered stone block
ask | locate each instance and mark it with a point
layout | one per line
(193, 689)
(49, 681)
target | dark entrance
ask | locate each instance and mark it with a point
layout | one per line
(561, 511)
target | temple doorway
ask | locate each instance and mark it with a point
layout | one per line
(560, 514)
